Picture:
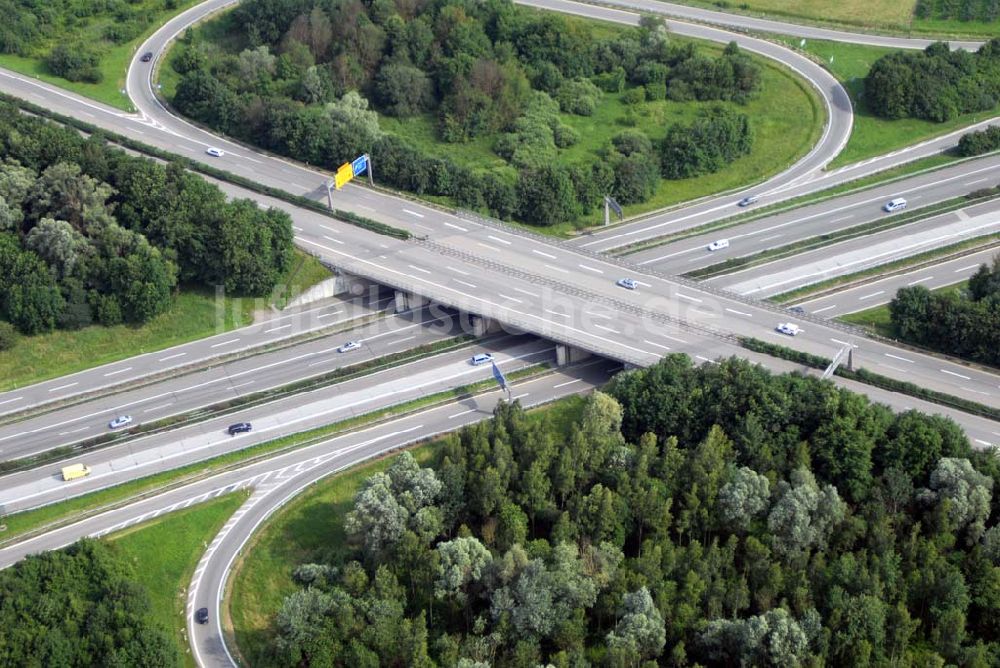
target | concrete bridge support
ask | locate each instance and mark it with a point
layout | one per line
(407, 301)
(481, 326)
(569, 355)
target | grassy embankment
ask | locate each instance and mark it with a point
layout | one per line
(193, 315)
(310, 528)
(164, 553)
(873, 136)
(114, 58)
(891, 16)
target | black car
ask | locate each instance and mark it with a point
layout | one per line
(146, 57)
(797, 309)
(239, 428)
(201, 616)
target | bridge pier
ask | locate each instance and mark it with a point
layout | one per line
(407, 301)
(481, 325)
(570, 355)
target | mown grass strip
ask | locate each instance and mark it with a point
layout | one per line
(914, 261)
(195, 166)
(25, 524)
(870, 378)
(822, 240)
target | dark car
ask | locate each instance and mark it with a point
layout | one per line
(797, 309)
(239, 428)
(747, 201)
(146, 57)
(201, 616)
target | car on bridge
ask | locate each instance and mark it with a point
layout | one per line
(349, 346)
(627, 283)
(239, 428)
(791, 329)
(120, 421)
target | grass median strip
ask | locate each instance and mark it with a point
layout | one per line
(909, 263)
(870, 378)
(46, 518)
(821, 240)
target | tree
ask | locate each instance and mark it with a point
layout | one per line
(378, 519)
(204, 98)
(56, 242)
(15, 183)
(743, 498)
(804, 515)
(75, 62)
(640, 630)
(707, 145)
(403, 90)
(10, 217)
(545, 195)
(256, 246)
(463, 563)
(29, 297)
(966, 491)
(771, 639)
(65, 193)
(355, 127)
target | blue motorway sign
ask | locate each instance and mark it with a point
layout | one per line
(359, 165)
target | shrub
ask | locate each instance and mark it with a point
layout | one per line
(705, 146)
(8, 336)
(74, 62)
(977, 143)
(579, 97)
(634, 96)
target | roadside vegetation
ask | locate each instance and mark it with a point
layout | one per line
(526, 115)
(713, 515)
(917, 18)
(163, 554)
(92, 236)
(80, 45)
(874, 134)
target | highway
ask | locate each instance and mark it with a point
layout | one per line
(764, 231)
(220, 383)
(869, 294)
(864, 252)
(184, 445)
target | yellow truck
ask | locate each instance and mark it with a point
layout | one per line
(74, 471)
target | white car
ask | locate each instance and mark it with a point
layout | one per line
(481, 358)
(120, 421)
(791, 329)
(348, 347)
(897, 204)
(627, 283)
(718, 245)
(215, 152)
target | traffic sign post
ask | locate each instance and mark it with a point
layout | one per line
(347, 171)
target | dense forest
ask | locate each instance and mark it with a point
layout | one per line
(89, 234)
(309, 79)
(963, 10)
(966, 323)
(715, 515)
(78, 607)
(936, 84)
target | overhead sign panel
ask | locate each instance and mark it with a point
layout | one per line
(344, 174)
(360, 165)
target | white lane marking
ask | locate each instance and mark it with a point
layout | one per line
(561, 315)
(520, 396)
(249, 382)
(605, 316)
(957, 375)
(413, 213)
(688, 297)
(972, 183)
(456, 227)
(894, 368)
(874, 294)
(525, 292)
(398, 341)
(171, 357)
(593, 269)
(327, 315)
(901, 359)
(607, 329)
(156, 408)
(488, 247)
(657, 345)
(336, 241)
(75, 431)
(841, 219)
(971, 266)
(275, 329)
(548, 255)
(20, 433)
(825, 308)
(513, 299)
(115, 373)
(10, 401)
(673, 338)
(705, 359)
(225, 343)
(465, 283)
(919, 280)
(63, 387)
(471, 410)
(555, 268)
(568, 382)
(328, 228)
(416, 268)
(982, 442)
(457, 271)
(503, 241)
(773, 236)
(843, 343)
(749, 315)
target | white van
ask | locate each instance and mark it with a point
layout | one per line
(718, 245)
(481, 358)
(897, 204)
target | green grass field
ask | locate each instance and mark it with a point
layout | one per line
(891, 16)
(873, 136)
(114, 58)
(877, 319)
(164, 554)
(310, 528)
